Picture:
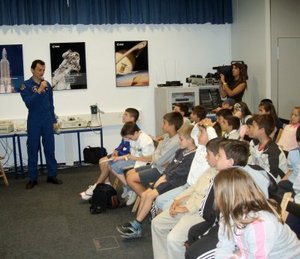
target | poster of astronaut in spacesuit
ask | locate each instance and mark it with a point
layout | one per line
(11, 68)
(68, 66)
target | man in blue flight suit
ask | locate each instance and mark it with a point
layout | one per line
(37, 95)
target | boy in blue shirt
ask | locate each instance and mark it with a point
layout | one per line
(129, 115)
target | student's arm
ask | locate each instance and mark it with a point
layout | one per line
(225, 246)
(160, 180)
(277, 161)
(224, 88)
(177, 208)
(287, 175)
(187, 192)
(260, 237)
(146, 159)
(122, 149)
(164, 153)
(145, 149)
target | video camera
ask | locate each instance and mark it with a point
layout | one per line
(226, 70)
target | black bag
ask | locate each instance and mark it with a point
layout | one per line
(93, 154)
(104, 196)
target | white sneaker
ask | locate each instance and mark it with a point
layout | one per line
(88, 193)
(131, 198)
(125, 193)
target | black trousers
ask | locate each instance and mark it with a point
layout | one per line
(205, 245)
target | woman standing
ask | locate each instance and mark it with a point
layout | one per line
(237, 87)
(250, 226)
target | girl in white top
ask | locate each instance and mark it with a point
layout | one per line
(287, 140)
(250, 226)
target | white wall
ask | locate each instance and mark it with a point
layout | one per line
(175, 52)
(285, 20)
(251, 43)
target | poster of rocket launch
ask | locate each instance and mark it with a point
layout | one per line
(11, 68)
(131, 59)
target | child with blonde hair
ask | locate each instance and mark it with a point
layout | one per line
(250, 226)
(287, 139)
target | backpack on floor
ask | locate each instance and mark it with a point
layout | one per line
(104, 196)
(92, 155)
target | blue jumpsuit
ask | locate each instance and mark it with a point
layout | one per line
(39, 124)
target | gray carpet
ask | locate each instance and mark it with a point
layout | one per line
(51, 221)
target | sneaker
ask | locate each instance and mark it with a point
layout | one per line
(131, 198)
(125, 193)
(88, 193)
(122, 227)
(135, 234)
(130, 232)
(85, 196)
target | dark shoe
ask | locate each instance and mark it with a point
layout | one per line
(31, 184)
(123, 227)
(53, 180)
(127, 231)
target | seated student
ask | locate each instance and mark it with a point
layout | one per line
(250, 226)
(294, 178)
(198, 167)
(242, 111)
(263, 150)
(203, 237)
(183, 109)
(141, 148)
(215, 126)
(168, 242)
(185, 205)
(174, 175)
(198, 113)
(230, 126)
(129, 115)
(287, 182)
(139, 178)
(287, 139)
(266, 107)
(226, 104)
(295, 165)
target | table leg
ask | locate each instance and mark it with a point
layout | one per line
(79, 147)
(20, 154)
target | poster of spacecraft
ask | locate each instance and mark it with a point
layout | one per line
(131, 58)
(68, 66)
(11, 68)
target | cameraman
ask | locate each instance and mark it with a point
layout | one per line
(234, 89)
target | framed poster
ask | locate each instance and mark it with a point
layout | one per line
(11, 68)
(68, 66)
(131, 59)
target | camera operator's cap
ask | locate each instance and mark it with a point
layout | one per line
(229, 101)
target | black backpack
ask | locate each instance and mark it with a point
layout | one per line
(93, 154)
(104, 196)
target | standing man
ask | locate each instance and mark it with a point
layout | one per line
(37, 95)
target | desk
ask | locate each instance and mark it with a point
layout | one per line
(12, 135)
(18, 135)
(78, 131)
